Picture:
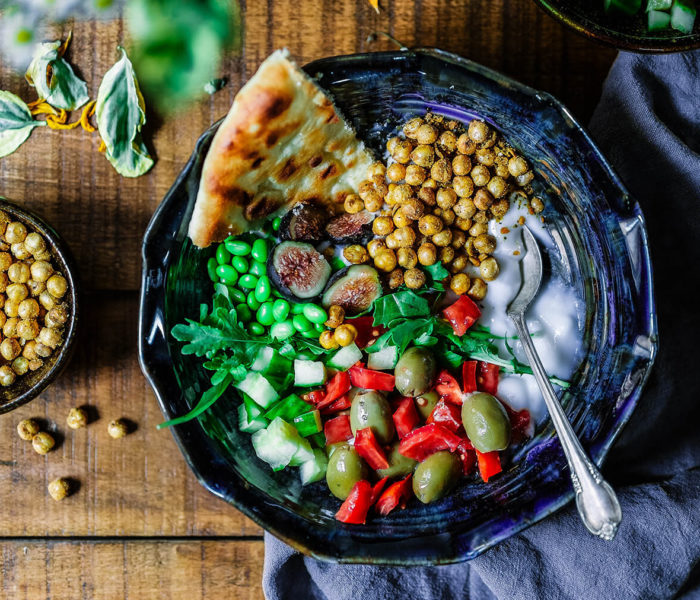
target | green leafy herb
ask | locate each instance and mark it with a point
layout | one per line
(208, 398)
(401, 305)
(54, 79)
(120, 112)
(437, 272)
(16, 123)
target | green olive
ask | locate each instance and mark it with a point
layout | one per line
(399, 465)
(345, 469)
(426, 403)
(486, 422)
(436, 476)
(415, 371)
(371, 409)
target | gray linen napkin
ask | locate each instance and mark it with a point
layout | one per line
(648, 125)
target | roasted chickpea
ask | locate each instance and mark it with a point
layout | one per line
(11, 308)
(405, 237)
(48, 336)
(485, 243)
(27, 429)
(411, 127)
(430, 183)
(501, 166)
(427, 196)
(9, 328)
(35, 287)
(536, 205)
(396, 172)
(391, 242)
(478, 131)
(415, 175)
(489, 268)
(500, 208)
(478, 229)
(463, 186)
(426, 134)
(4, 220)
(391, 144)
(490, 141)
(478, 289)
(19, 251)
(5, 261)
(375, 246)
(463, 224)
(57, 286)
(480, 175)
(465, 208)
(400, 218)
(77, 418)
(447, 254)
(373, 203)
(19, 272)
(461, 165)
(42, 350)
(336, 314)
(460, 283)
(16, 232)
(423, 155)
(327, 340)
(42, 442)
(483, 199)
(406, 257)
(465, 145)
(7, 376)
(376, 169)
(20, 365)
(497, 186)
(459, 263)
(396, 278)
(447, 142)
(414, 278)
(385, 260)
(354, 254)
(430, 225)
(458, 239)
(517, 166)
(448, 216)
(35, 364)
(485, 157)
(16, 292)
(441, 171)
(29, 309)
(402, 151)
(59, 489)
(402, 193)
(118, 428)
(413, 208)
(443, 238)
(353, 204)
(427, 254)
(29, 350)
(525, 178)
(10, 349)
(345, 334)
(47, 300)
(446, 198)
(481, 216)
(383, 226)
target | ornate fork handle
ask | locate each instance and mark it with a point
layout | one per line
(596, 500)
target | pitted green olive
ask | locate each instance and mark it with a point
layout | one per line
(345, 469)
(426, 403)
(436, 475)
(486, 422)
(399, 465)
(415, 371)
(371, 409)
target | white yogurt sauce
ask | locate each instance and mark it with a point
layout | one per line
(555, 317)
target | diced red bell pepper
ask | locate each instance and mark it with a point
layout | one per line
(467, 455)
(368, 448)
(446, 414)
(448, 388)
(469, 376)
(337, 430)
(487, 378)
(489, 463)
(426, 440)
(462, 314)
(335, 388)
(356, 506)
(317, 396)
(405, 417)
(371, 380)
(519, 423)
(377, 489)
(341, 403)
(366, 332)
(397, 494)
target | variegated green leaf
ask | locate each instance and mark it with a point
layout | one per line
(16, 123)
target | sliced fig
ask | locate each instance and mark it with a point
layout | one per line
(298, 270)
(354, 288)
(351, 229)
(304, 223)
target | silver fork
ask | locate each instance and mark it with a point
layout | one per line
(596, 500)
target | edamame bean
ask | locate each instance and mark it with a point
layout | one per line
(301, 323)
(237, 247)
(240, 264)
(211, 269)
(236, 295)
(280, 309)
(315, 313)
(297, 309)
(256, 328)
(252, 301)
(311, 334)
(319, 328)
(244, 313)
(262, 290)
(276, 223)
(259, 250)
(249, 282)
(282, 330)
(264, 314)
(257, 268)
(228, 274)
(223, 256)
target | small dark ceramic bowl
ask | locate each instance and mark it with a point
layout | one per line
(29, 386)
(620, 31)
(601, 250)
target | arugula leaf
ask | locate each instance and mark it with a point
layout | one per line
(16, 123)
(389, 308)
(437, 271)
(54, 79)
(402, 334)
(208, 398)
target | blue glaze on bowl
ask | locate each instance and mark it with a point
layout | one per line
(601, 250)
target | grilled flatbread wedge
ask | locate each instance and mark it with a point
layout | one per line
(281, 143)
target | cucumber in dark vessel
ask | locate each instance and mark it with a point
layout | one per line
(354, 288)
(351, 229)
(298, 270)
(304, 223)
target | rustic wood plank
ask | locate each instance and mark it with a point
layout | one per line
(140, 570)
(135, 486)
(103, 216)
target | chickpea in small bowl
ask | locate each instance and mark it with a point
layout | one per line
(38, 305)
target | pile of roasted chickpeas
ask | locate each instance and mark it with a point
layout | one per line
(434, 199)
(32, 308)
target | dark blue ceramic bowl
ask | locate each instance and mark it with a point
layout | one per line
(601, 249)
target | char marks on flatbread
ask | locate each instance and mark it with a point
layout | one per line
(281, 143)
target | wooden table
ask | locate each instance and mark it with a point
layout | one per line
(140, 526)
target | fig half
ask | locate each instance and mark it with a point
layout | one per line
(354, 288)
(298, 270)
(304, 223)
(351, 229)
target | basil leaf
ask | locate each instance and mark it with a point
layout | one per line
(120, 114)
(54, 79)
(16, 123)
(391, 307)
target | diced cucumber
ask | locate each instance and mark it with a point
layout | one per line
(247, 424)
(259, 389)
(292, 406)
(308, 423)
(314, 469)
(659, 5)
(683, 15)
(658, 20)
(345, 357)
(627, 7)
(385, 359)
(319, 440)
(308, 373)
(269, 361)
(251, 406)
(280, 445)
